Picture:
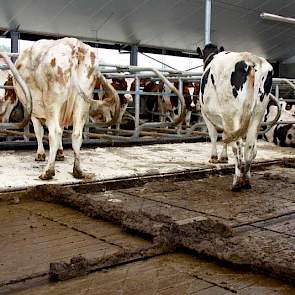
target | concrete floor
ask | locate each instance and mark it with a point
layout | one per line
(18, 168)
(36, 233)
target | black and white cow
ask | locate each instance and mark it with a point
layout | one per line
(234, 94)
(281, 134)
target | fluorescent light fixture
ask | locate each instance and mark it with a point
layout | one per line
(277, 18)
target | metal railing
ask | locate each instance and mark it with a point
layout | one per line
(26, 92)
(142, 128)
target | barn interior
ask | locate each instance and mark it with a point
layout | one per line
(153, 216)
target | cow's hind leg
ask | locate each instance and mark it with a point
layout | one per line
(223, 156)
(238, 177)
(60, 152)
(39, 132)
(213, 137)
(250, 151)
(55, 133)
(79, 120)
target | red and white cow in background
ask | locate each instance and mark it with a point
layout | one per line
(106, 109)
(61, 75)
(8, 99)
(234, 94)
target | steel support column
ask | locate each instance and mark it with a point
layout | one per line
(208, 7)
(14, 38)
(133, 55)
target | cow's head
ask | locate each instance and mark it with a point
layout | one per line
(208, 53)
(191, 92)
(121, 84)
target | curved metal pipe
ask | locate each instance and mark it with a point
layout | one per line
(109, 91)
(277, 117)
(26, 91)
(173, 89)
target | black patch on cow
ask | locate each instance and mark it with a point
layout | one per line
(280, 134)
(268, 83)
(239, 76)
(17, 114)
(227, 52)
(204, 82)
(212, 79)
(261, 95)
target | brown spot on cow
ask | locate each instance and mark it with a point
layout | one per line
(80, 54)
(18, 66)
(60, 76)
(90, 71)
(9, 93)
(53, 62)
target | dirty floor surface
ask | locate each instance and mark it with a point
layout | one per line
(18, 168)
(35, 233)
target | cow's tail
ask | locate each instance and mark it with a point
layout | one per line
(248, 107)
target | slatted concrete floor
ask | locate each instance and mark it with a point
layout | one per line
(34, 234)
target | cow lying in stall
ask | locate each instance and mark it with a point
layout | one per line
(106, 110)
(281, 134)
(169, 106)
(234, 94)
(61, 75)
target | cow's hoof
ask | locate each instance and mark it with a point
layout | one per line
(60, 155)
(246, 184)
(223, 160)
(79, 174)
(236, 187)
(47, 174)
(213, 160)
(40, 157)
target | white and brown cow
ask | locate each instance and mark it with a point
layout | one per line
(281, 134)
(234, 94)
(61, 75)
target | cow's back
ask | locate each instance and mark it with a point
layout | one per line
(56, 71)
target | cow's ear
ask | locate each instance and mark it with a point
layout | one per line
(221, 49)
(200, 52)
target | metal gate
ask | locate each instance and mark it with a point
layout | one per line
(143, 131)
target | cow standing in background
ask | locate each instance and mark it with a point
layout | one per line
(61, 75)
(234, 94)
(8, 99)
(151, 102)
(14, 112)
(169, 106)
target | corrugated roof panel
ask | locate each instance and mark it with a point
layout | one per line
(177, 24)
